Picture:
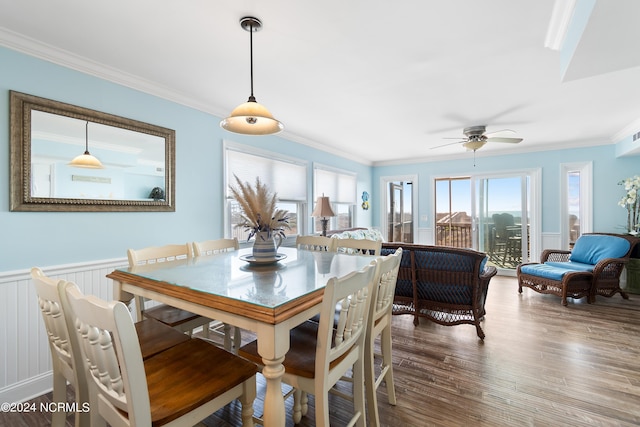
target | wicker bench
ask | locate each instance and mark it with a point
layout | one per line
(445, 285)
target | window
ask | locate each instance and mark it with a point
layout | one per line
(576, 202)
(340, 187)
(453, 212)
(285, 176)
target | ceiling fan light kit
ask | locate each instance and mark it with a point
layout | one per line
(251, 118)
(474, 144)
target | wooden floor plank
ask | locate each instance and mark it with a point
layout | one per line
(540, 364)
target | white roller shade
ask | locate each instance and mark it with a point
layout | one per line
(287, 178)
(338, 186)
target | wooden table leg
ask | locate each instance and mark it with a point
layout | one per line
(273, 344)
(274, 413)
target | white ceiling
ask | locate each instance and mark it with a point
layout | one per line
(379, 81)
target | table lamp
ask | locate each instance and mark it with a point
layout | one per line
(323, 211)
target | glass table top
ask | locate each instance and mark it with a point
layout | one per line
(298, 273)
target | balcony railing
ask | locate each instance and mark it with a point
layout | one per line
(457, 235)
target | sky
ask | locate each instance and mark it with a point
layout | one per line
(503, 193)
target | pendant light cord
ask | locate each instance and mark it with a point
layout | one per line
(86, 138)
(251, 97)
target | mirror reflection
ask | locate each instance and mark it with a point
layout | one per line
(135, 160)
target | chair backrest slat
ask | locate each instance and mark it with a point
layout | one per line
(358, 246)
(316, 243)
(212, 247)
(116, 369)
(155, 254)
(352, 292)
(55, 324)
(388, 277)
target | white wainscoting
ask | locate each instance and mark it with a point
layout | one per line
(25, 360)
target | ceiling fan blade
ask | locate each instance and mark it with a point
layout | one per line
(500, 131)
(499, 139)
(449, 143)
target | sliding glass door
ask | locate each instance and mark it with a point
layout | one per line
(453, 223)
(498, 214)
(502, 218)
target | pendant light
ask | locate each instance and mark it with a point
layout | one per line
(251, 118)
(86, 160)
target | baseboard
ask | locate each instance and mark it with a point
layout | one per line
(27, 389)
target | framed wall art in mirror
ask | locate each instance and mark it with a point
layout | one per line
(131, 164)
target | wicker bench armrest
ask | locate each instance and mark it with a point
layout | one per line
(488, 272)
(609, 263)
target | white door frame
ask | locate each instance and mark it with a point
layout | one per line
(535, 209)
(384, 195)
(586, 199)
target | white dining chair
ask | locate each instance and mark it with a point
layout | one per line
(64, 360)
(316, 243)
(214, 247)
(183, 320)
(153, 337)
(380, 326)
(321, 353)
(180, 386)
(358, 246)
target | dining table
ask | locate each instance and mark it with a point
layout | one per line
(268, 299)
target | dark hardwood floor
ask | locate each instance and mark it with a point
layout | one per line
(541, 364)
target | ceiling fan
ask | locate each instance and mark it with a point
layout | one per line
(476, 138)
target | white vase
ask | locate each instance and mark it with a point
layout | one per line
(265, 247)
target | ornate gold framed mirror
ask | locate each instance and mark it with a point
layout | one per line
(51, 142)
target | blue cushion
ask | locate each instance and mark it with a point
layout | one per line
(544, 270)
(591, 248)
(574, 266)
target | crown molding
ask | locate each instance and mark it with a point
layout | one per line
(626, 131)
(559, 23)
(35, 48)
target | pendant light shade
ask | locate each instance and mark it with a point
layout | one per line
(251, 118)
(86, 160)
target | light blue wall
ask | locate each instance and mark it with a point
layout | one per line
(607, 172)
(53, 238)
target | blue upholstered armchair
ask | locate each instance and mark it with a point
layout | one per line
(592, 268)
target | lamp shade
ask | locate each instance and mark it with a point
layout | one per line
(474, 145)
(86, 160)
(251, 118)
(323, 208)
